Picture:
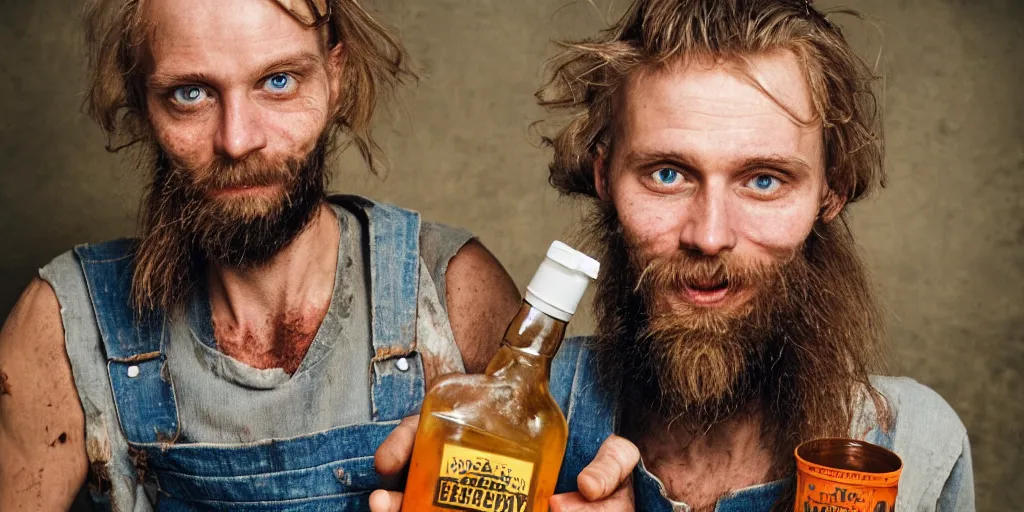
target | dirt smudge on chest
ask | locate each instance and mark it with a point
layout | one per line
(281, 343)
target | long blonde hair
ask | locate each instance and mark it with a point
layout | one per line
(586, 75)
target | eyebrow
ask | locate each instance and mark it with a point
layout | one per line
(303, 62)
(636, 159)
(777, 161)
(639, 158)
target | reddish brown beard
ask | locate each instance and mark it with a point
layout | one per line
(707, 359)
(185, 225)
(799, 352)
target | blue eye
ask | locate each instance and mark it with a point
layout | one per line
(280, 82)
(665, 176)
(764, 183)
(189, 95)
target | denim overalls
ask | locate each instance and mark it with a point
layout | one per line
(330, 470)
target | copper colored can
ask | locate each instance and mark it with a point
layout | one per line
(846, 475)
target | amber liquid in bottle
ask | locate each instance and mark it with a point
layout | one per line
(493, 442)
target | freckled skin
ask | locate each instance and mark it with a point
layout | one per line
(707, 124)
(38, 469)
(239, 115)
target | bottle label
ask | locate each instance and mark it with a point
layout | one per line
(477, 480)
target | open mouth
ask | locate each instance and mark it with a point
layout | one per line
(707, 293)
(245, 190)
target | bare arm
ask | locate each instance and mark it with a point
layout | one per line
(42, 427)
(482, 299)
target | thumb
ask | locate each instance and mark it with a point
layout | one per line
(393, 454)
(612, 466)
(385, 501)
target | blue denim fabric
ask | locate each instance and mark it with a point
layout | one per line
(932, 442)
(394, 237)
(330, 470)
(130, 342)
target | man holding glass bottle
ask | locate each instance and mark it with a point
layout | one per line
(720, 144)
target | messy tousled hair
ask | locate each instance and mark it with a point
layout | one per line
(586, 75)
(375, 63)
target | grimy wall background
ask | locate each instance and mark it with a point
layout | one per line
(944, 240)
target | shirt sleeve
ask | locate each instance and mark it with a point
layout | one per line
(958, 492)
(438, 245)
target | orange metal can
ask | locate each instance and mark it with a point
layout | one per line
(846, 475)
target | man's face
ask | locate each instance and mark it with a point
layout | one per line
(232, 80)
(711, 189)
(240, 96)
(707, 167)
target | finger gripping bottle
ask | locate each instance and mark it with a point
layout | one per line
(494, 442)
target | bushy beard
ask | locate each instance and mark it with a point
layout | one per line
(798, 350)
(187, 224)
(707, 361)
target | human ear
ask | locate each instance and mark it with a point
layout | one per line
(832, 205)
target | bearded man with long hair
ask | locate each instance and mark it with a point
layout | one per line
(252, 346)
(719, 145)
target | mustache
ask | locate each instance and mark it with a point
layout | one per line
(255, 170)
(674, 273)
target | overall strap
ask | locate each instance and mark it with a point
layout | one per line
(396, 371)
(590, 409)
(134, 345)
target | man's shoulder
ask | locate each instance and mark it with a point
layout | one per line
(926, 433)
(917, 406)
(438, 241)
(66, 273)
(438, 233)
(71, 259)
(109, 250)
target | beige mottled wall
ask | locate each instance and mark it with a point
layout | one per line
(944, 240)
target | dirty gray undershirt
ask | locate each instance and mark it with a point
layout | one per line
(222, 400)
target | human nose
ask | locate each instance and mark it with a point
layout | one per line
(241, 132)
(708, 229)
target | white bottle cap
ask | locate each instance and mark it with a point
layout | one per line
(559, 284)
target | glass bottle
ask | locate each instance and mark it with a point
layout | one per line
(494, 442)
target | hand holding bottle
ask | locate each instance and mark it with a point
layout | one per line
(605, 483)
(391, 457)
(495, 441)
